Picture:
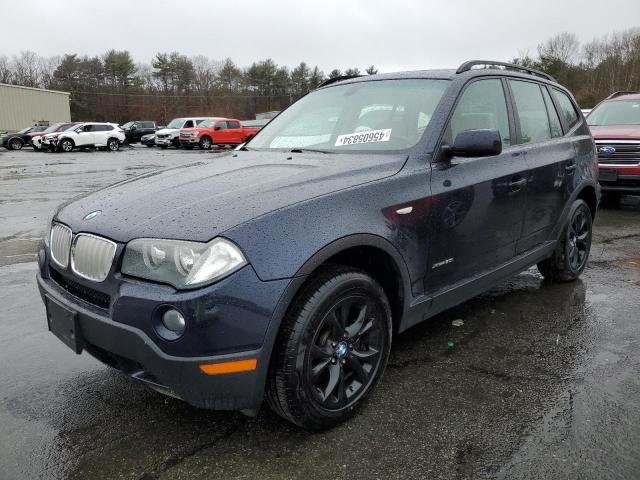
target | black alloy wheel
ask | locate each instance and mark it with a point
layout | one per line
(332, 348)
(346, 353)
(572, 252)
(579, 239)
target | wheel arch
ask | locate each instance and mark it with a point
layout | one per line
(588, 194)
(372, 254)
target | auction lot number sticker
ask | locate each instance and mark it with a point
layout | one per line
(372, 136)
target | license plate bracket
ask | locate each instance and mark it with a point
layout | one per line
(608, 175)
(63, 323)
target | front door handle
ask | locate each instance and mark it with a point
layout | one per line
(516, 185)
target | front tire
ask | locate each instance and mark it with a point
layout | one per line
(16, 144)
(205, 143)
(66, 145)
(570, 256)
(331, 350)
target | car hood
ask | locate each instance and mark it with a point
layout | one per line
(616, 132)
(167, 131)
(201, 200)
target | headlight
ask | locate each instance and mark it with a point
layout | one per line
(180, 263)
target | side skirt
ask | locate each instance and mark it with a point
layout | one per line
(427, 306)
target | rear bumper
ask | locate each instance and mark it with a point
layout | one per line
(132, 351)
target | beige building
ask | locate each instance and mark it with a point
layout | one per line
(21, 107)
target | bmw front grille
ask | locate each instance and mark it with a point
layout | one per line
(60, 243)
(91, 256)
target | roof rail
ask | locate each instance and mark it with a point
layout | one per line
(466, 66)
(621, 92)
(329, 81)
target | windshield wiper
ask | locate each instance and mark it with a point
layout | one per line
(302, 150)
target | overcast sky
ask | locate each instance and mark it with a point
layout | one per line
(391, 34)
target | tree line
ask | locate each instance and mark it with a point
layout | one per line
(592, 70)
(114, 87)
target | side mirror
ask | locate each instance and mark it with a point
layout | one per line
(133, 127)
(218, 127)
(79, 130)
(477, 143)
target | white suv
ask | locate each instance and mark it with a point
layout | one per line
(91, 134)
(169, 135)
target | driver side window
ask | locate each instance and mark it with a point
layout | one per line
(482, 106)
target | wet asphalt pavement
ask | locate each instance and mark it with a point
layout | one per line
(543, 380)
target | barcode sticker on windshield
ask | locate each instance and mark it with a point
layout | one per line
(370, 136)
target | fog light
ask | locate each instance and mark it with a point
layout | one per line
(173, 320)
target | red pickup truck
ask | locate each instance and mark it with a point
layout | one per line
(216, 131)
(615, 125)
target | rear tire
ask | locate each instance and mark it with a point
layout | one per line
(331, 350)
(572, 252)
(113, 144)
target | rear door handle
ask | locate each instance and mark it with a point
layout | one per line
(516, 185)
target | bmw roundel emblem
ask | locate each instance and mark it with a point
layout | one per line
(607, 150)
(91, 215)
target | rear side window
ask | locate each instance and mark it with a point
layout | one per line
(232, 124)
(105, 128)
(482, 106)
(554, 119)
(567, 109)
(532, 112)
(147, 124)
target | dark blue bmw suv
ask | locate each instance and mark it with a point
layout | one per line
(282, 270)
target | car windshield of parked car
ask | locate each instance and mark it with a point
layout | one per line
(176, 123)
(206, 123)
(24, 130)
(620, 112)
(52, 128)
(366, 116)
(127, 125)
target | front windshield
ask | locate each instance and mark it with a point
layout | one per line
(619, 112)
(126, 125)
(206, 123)
(70, 127)
(24, 130)
(369, 116)
(52, 128)
(176, 123)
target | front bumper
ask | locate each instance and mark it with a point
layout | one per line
(167, 142)
(620, 179)
(227, 321)
(189, 141)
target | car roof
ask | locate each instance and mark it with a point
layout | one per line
(628, 96)
(465, 71)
